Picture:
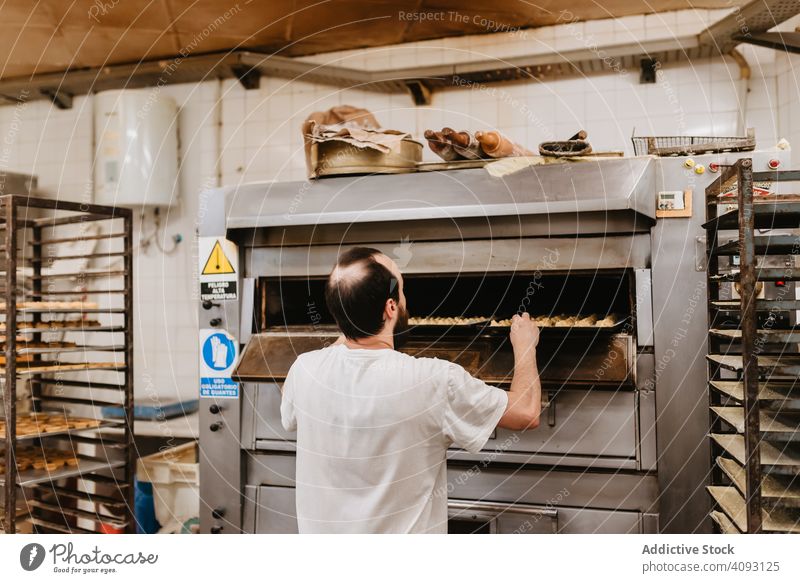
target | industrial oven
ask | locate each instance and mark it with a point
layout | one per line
(622, 445)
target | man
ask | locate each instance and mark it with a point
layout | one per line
(373, 424)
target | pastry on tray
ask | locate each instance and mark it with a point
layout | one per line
(38, 458)
(41, 423)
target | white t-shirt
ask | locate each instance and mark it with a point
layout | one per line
(373, 428)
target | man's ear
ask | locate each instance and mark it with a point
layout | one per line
(391, 307)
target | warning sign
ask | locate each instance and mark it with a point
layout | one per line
(217, 262)
(219, 267)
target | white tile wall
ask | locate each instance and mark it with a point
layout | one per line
(230, 135)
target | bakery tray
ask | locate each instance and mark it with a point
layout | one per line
(86, 465)
(151, 412)
(103, 423)
(64, 367)
(438, 329)
(57, 349)
(621, 324)
(31, 330)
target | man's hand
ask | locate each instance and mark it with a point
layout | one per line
(524, 333)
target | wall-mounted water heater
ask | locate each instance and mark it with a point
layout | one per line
(137, 148)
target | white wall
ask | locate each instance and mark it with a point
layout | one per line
(228, 135)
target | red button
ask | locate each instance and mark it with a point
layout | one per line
(773, 164)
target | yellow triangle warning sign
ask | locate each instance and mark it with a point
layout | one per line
(217, 263)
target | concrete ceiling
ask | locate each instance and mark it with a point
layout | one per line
(51, 36)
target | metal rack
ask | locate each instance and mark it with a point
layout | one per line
(44, 296)
(753, 356)
(692, 145)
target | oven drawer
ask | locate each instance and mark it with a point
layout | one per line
(269, 510)
(261, 415)
(575, 424)
(472, 517)
(570, 501)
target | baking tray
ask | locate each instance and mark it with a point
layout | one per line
(102, 424)
(621, 324)
(150, 412)
(439, 329)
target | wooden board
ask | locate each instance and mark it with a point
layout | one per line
(67, 367)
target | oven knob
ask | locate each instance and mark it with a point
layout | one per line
(216, 529)
(208, 304)
(215, 426)
(774, 164)
(215, 409)
(217, 513)
(214, 322)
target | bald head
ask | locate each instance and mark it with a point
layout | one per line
(358, 289)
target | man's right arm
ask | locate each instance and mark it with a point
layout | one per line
(525, 395)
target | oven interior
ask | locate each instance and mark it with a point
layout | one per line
(297, 304)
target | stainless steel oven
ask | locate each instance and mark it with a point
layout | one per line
(569, 240)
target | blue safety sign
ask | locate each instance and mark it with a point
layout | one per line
(219, 351)
(218, 354)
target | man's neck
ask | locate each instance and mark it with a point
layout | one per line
(377, 342)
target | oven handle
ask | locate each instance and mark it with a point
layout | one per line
(494, 508)
(549, 403)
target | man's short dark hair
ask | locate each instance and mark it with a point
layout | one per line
(357, 290)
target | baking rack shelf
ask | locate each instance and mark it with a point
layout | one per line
(781, 489)
(760, 305)
(767, 336)
(777, 425)
(102, 424)
(753, 364)
(46, 359)
(33, 330)
(85, 465)
(780, 391)
(733, 505)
